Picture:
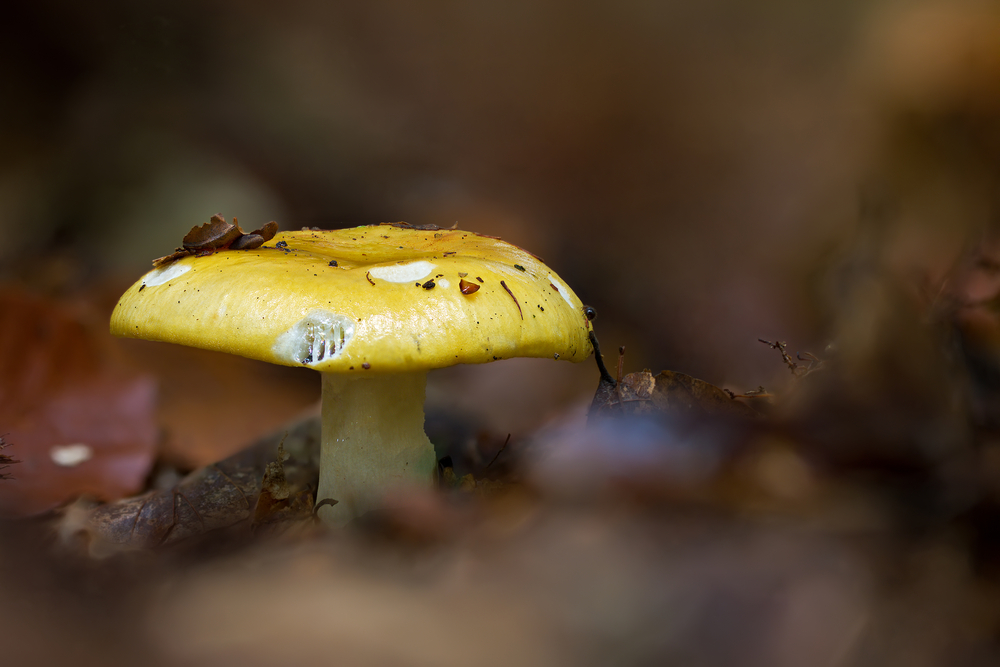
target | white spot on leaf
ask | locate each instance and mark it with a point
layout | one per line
(69, 456)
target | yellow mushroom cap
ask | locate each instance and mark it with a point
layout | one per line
(379, 298)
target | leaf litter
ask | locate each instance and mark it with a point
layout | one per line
(676, 507)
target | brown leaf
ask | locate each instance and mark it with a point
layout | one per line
(247, 242)
(669, 393)
(82, 424)
(217, 233)
(267, 232)
(166, 259)
(214, 497)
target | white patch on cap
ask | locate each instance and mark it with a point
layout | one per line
(69, 456)
(165, 274)
(444, 283)
(563, 292)
(402, 273)
(317, 337)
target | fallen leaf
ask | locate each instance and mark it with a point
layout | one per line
(670, 393)
(58, 390)
(216, 496)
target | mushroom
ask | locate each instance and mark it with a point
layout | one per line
(373, 309)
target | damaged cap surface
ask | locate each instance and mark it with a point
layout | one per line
(380, 298)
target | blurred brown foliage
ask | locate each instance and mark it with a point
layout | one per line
(60, 386)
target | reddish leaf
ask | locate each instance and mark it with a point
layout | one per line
(58, 390)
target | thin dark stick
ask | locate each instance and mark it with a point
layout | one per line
(605, 375)
(499, 452)
(504, 285)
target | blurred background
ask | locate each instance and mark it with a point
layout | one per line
(682, 167)
(703, 174)
(685, 169)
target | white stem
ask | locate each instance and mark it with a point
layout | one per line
(373, 441)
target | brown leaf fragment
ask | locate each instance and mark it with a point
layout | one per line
(214, 497)
(279, 501)
(215, 234)
(268, 231)
(667, 394)
(256, 238)
(247, 242)
(680, 393)
(166, 259)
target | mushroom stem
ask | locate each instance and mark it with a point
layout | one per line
(373, 441)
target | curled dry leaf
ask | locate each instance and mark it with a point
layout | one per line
(256, 238)
(216, 235)
(82, 424)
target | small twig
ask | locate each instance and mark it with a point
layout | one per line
(810, 361)
(499, 452)
(326, 501)
(780, 346)
(504, 285)
(605, 375)
(759, 392)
